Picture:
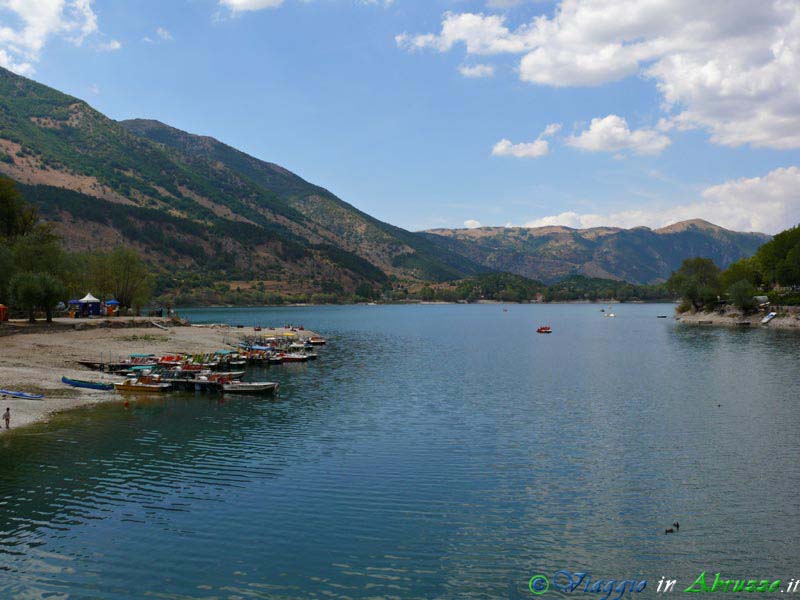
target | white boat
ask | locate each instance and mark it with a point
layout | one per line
(769, 317)
(250, 387)
(611, 315)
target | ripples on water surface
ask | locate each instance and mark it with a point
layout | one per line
(431, 452)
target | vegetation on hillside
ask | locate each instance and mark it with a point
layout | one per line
(774, 270)
(37, 273)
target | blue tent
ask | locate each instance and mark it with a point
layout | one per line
(89, 305)
(112, 302)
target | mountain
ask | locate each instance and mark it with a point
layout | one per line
(208, 216)
(639, 255)
(200, 210)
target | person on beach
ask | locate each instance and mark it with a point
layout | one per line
(7, 416)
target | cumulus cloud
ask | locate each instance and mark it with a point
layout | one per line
(476, 71)
(472, 224)
(535, 149)
(39, 20)
(731, 67)
(768, 204)
(611, 134)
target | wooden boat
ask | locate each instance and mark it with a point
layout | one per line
(23, 395)
(250, 387)
(142, 384)
(293, 357)
(89, 385)
(544, 329)
(317, 341)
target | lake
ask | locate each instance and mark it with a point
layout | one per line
(431, 452)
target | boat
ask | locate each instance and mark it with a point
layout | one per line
(293, 357)
(250, 387)
(317, 341)
(544, 329)
(769, 317)
(610, 315)
(142, 384)
(23, 395)
(661, 317)
(90, 385)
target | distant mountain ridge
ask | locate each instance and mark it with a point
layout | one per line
(205, 213)
(638, 255)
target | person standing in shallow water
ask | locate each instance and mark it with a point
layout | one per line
(7, 416)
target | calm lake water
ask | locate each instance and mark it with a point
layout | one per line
(431, 452)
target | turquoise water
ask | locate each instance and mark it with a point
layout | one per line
(431, 452)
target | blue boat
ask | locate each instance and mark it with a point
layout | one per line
(23, 395)
(91, 385)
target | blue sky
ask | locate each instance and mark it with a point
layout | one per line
(374, 101)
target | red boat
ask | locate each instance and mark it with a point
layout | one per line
(544, 329)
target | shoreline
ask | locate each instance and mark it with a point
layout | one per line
(785, 321)
(34, 360)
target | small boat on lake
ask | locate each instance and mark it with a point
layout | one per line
(293, 357)
(544, 329)
(260, 388)
(143, 384)
(22, 395)
(769, 317)
(89, 385)
(317, 341)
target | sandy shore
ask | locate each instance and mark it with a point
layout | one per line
(33, 360)
(734, 319)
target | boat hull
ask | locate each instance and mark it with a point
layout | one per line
(253, 389)
(89, 385)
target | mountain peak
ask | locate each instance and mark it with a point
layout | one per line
(680, 226)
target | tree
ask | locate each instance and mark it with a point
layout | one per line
(742, 294)
(39, 251)
(744, 269)
(51, 291)
(17, 218)
(132, 284)
(697, 282)
(25, 288)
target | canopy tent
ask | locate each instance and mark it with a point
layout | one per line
(89, 305)
(112, 302)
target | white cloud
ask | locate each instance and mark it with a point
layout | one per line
(94, 89)
(161, 35)
(38, 20)
(768, 204)
(111, 46)
(535, 149)
(472, 224)
(731, 67)
(238, 6)
(476, 71)
(611, 134)
(247, 5)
